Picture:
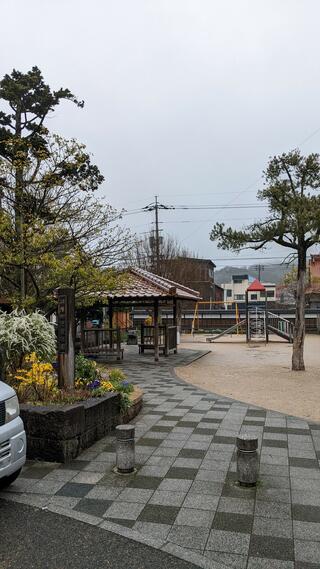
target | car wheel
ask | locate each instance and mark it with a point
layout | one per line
(7, 480)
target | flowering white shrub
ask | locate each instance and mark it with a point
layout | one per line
(22, 334)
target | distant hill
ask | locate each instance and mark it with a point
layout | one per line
(271, 273)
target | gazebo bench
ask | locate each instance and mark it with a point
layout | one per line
(143, 347)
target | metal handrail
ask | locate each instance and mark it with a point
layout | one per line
(279, 317)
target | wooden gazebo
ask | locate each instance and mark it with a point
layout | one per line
(146, 289)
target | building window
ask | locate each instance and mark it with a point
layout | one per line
(237, 279)
(254, 297)
(229, 292)
(270, 293)
(239, 296)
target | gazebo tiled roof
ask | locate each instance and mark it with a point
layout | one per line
(142, 284)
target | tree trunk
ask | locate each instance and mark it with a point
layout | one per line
(18, 209)
(299, 326)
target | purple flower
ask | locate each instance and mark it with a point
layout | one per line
(94, 384)
(125, 383)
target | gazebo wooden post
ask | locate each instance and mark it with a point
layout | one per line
(174, 320)
(110, 323)
(156, 329)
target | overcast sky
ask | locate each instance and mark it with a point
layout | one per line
(186, 99)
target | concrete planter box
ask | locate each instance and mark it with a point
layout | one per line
(60, 433)
(136, 398)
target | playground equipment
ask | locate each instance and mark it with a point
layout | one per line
(259, 322)
(210, 304)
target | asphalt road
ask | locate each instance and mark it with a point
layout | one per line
(38, 539)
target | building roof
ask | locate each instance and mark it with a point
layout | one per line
(195, 260)
(243, 276)
(256, 286)
(142, 284)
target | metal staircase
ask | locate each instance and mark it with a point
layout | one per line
(280, 326)
(259, 325)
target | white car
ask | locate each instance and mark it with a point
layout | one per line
(12, 436)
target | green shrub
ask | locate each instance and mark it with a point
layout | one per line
(86, 371)
(22, 334)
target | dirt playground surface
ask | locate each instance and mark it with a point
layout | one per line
(259, 374)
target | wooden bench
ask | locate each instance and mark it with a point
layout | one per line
(143, 347)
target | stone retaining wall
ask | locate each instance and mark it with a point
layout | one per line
(59, 433)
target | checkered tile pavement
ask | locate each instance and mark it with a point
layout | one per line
(184, 497)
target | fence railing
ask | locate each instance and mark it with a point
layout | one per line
(101, 342)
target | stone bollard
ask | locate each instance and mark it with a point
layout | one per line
(247, 460)
(125, 449)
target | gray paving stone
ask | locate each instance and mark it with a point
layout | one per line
(236, 505)
(309, 531)
(306, 497)
(272, 527)
(150, 529)
(299, 472)
(233, 522)
(92, 507)
(155, 460)
(228, 542)
(201, 501)
(273, 510)
(48, 487)
(63, 501)
(189, 537)
(224, 560)
(60, 474)
(139, 495)
(263, 563)
(276, 482)
(306, 513)
(175, 485)
(159, 514)
(211, 475)
(103, 493)
(95, 466)
(86, 477)
(187, 462)
(166, 498)
(124, 510)
(273, 470)
(307, 551)
(274, 494)
(271, 547)
(21, 485)
(206, 487)
(194, 518)
(166, 451)
(156, 471)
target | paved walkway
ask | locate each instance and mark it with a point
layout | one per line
(184, 498)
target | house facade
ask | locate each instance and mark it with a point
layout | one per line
(197, 274)
(313, 289)
(235, 291)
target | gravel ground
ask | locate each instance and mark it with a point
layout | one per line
(260, 375)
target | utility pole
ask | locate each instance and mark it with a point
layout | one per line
(156, 239)
(156, 212)
(259, 268)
